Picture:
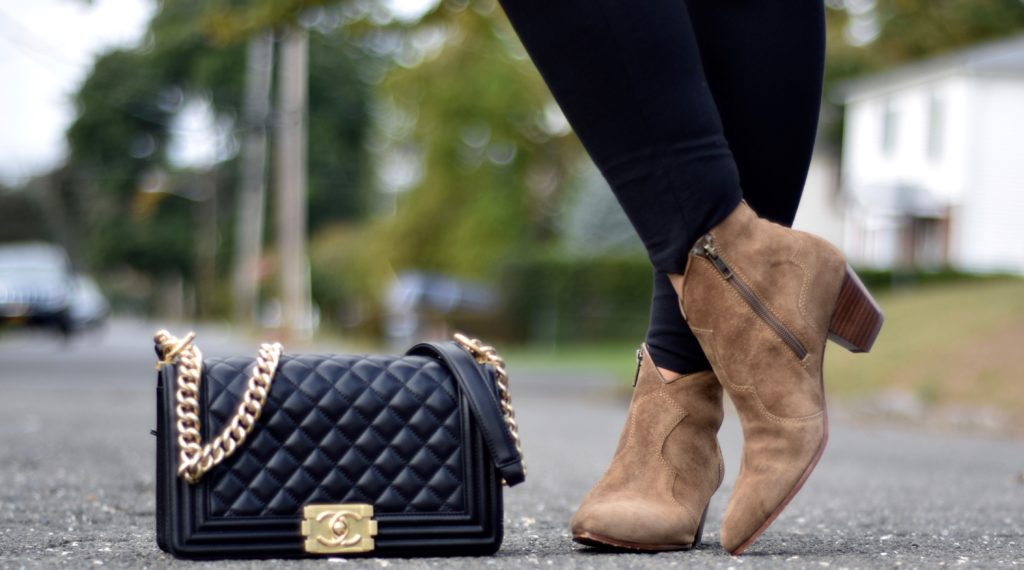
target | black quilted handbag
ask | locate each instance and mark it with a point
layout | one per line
(333, 455)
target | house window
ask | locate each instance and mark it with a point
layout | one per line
(935, 124)
(889, 118)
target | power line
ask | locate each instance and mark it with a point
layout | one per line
(20, 37)
(29, 41)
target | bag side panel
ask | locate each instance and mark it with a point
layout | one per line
(168, 527)
(161, 484)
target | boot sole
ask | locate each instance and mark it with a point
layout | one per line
(855, 323)
(607, 543)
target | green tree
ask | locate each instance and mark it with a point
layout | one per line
(868, 35)
(494, 154)
(142, 212)
(21, 217)
(339, 120)
(116, 140)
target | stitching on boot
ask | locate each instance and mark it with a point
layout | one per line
(662, 381)
(694, 518)
(751, 389)
(603, 482)
(736, 296)
(802, 306)
(781, 420)
(764, 301)
(664, 462)
(803, 287)
(691, 262)
(632, 417)
(689, 378)
(639, 402)
(760, 322)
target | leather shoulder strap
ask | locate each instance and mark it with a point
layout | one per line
(480, 393)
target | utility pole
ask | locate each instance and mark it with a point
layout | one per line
(251, 195)
(290, 152)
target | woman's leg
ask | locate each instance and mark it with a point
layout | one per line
(763, 60)
(763, 299)
(629, 78)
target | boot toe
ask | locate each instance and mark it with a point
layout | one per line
(634, 523)
(742, 520)
(761, 495)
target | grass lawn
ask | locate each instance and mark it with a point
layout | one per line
(959, 343)
(954, 343)
(609, 358)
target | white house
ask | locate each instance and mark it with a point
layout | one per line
(932, 167)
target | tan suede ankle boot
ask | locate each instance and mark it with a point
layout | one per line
(762, 300)
(655, 493)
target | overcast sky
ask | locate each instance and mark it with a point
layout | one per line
(46, 48)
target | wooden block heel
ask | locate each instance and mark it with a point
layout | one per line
(857, 318)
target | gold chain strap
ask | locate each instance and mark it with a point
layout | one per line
(195, 459)
(485, 354)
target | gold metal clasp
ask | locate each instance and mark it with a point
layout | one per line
(338, 529)
(169, 353)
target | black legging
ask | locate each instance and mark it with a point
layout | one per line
(680, 103)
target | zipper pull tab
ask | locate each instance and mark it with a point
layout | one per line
(639, 361)
(711, 253)
(709, 247)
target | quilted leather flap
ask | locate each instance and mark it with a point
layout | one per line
(383, 430)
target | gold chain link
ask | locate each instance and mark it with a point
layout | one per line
(485, 354)
(194, 458)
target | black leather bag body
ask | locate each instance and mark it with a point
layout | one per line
(333, 455)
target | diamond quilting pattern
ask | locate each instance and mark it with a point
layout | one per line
(373, 429)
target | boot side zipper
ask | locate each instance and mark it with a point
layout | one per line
(710, 252)
(639, 361)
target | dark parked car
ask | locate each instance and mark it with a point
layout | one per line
(36, 286)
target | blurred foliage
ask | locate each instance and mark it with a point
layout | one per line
(339, 121)
(492, 169)
(882, 280)
(870, 35)
(866, 36)
(557, 299)
(348, 278)
(590, 220)
(115, 143)
(24, 217)
(463, 106)
(141, 212)
(452, 103)
(230, 21)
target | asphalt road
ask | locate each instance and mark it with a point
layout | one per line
(76, 476)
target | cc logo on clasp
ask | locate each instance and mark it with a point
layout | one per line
(338, 529)
(338, 523)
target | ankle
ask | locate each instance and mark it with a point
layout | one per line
(686, 357)
(668, 375)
